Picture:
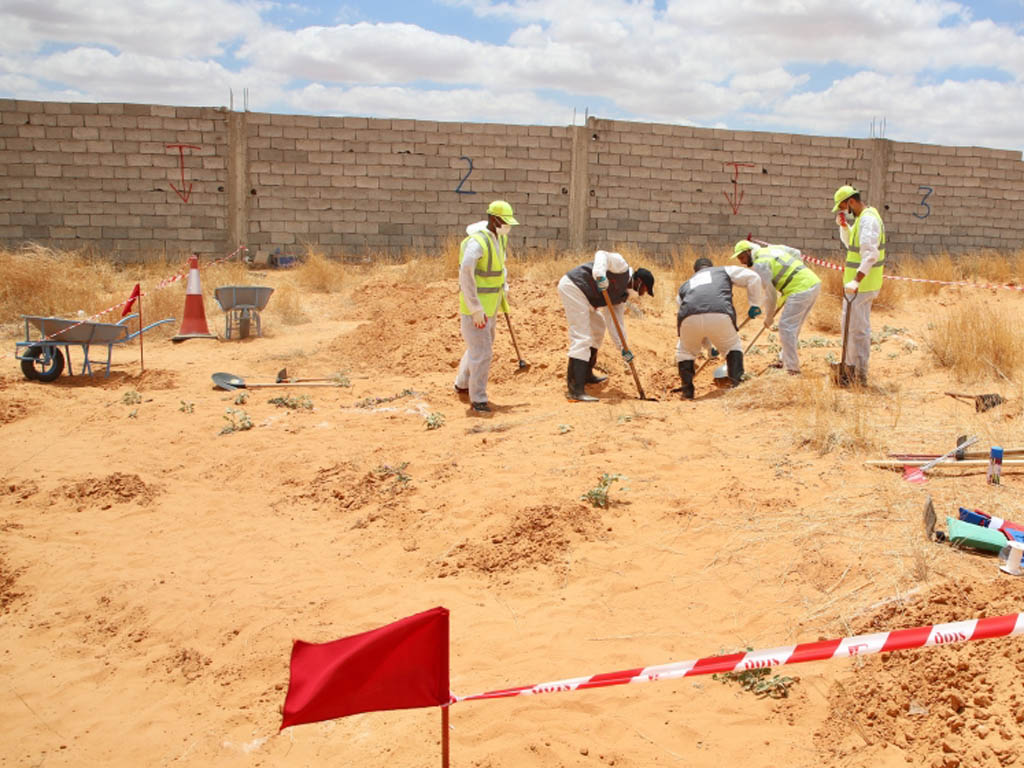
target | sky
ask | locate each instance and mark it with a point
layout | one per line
(909, 70)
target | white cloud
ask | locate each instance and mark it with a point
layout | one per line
(735, 62)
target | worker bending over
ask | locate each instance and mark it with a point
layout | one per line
(783, 274)
(706, 311)
(581, 291)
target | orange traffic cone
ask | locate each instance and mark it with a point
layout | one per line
(193, 324)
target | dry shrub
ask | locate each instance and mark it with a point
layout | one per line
(771, 392)
(975, 336)
(287, 307)
(318, 273)
(840, 419)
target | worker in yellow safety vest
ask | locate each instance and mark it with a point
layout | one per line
(483, 289)
(862, 278)
(783, 274)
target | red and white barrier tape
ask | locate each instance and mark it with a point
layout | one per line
(162, 284)
(860, 645)
(968, 283)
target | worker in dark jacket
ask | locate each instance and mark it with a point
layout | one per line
(587, 313)
(706, 312)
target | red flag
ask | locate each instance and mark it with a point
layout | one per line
(131, 300)
(398, 666)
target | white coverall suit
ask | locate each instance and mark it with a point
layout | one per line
(797, 306)
(858, 344)
(476, 361)
(715, 327)
(587, 324)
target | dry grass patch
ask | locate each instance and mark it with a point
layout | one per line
(286, 306)
(975, 338)
(849, 420)
(320, 274)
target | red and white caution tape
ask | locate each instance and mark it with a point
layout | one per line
(966, 283)
(860, 645)
(162, 284)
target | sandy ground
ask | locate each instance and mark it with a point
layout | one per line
(154, 572)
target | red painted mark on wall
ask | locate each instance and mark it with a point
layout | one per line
(737, 193)
(184, 193)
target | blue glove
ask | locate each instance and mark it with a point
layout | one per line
(602, 283)
(714, 352)
(627, 356)
(753, 312)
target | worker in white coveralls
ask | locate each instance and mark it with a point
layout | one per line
(706, 312)
(581, 291)
(789, 285)
(862, 278)
(483, 289)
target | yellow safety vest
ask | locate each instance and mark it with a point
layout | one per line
(489, 274)
(873, 280)
(789, 274)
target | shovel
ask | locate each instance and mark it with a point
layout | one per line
(722, 372)
(844, 375)
(230, 382)
(618, 329)
(981, 402)
(916, 474)
(523, 365)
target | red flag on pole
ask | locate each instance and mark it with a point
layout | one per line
(399, 666)
(131, 300)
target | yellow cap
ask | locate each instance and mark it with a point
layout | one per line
(841, 194)
(503, 211)
(741, 246)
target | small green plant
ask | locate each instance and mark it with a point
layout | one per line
(131, 397)
(761, 682)
(397, 471)
(241, 398)
(434, 420)
(186, 407)
(237, 421)
(598, 497)
(340, 379)
(302, 403)
(564, 428)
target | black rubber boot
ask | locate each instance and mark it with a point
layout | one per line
(686, 377)
(734, 361)
(576, 377)
(591, 378)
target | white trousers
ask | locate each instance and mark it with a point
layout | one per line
(587, 324)
(476, 361)
(791, 320)
(858, 344)
(716, 327)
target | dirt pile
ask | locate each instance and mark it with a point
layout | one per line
(944, 707)
(534, 537)
(115, 488)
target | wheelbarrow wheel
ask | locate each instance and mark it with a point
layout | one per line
(244, 322)
(36, 367)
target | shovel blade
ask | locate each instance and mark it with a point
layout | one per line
(914, 475)
(984, 402)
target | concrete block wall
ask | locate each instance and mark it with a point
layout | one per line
(358, 184)
(134, 180)
(101, 175)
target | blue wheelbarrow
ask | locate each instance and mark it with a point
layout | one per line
(42, 358)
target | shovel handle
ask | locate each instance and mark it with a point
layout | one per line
(622, 339)
(508, 321)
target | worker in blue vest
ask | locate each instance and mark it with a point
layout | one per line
(586, 313)
(706, 313)
(483, 289)
(862, 277)
(789, 284)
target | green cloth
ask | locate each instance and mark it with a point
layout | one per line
(975, 536)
